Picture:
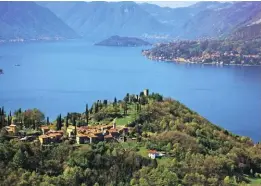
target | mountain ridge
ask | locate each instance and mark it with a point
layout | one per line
(29, 21)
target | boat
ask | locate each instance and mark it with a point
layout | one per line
(1, 71)
(17, 65)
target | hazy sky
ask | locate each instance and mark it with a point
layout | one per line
(172, 4)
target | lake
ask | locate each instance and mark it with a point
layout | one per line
(61, 77)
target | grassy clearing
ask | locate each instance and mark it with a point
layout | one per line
(253, 181)
(143, 151)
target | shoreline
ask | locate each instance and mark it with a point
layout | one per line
(200, 63)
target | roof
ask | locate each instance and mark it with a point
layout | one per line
(152, 151)
(113, 130)
(55, 134)
(44, 127)
(12, 125)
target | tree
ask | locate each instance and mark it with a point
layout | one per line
(126, 98)
(59, 122)
(19, 159)
(105, 102)
(47, 121)
(87, 114)
(33, 118)
(125, 108)
(74, 121)
(115, 102)
(67, 120)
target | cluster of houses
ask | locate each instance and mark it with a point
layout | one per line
(84, 134)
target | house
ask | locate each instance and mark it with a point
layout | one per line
(44, 139)
(70, 131)
(92, 134)
(11, 129)
(155, 154)
(81, 139)
(44, 129)
(51, 136)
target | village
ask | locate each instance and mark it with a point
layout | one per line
(189, 53)
(48, 135)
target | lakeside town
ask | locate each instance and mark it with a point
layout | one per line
(208, 52)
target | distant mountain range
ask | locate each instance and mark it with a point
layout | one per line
(29, 21)
(220, 22)
(100, 20)
(104, 19)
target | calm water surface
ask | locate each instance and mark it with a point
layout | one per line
(63, 76)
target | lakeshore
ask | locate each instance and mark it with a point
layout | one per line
(85, 73)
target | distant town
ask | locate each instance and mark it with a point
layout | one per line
(246, 53)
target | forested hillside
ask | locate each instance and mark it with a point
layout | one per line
(196, 151)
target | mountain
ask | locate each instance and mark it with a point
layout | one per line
(104, 19)
(123, 41)
(251, 28)
(179, 16)
(100, 20)
(247, 32)
(221, 21)
(27, 20)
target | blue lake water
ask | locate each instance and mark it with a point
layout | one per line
(60, 77)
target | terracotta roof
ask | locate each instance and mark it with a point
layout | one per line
(113, 130)
(55, 134)
(44, 127)
(152, 151)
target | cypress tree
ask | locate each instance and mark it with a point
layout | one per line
(115, 101)
(59, 122)
(105, 102)
(74, 121)
(87, 114)
(8, 120)
(67, 120)
(75, 128)
(3, 111)
(96, 109)
(47, 121)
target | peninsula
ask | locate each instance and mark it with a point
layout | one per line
(144, 139)
(123, 42)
